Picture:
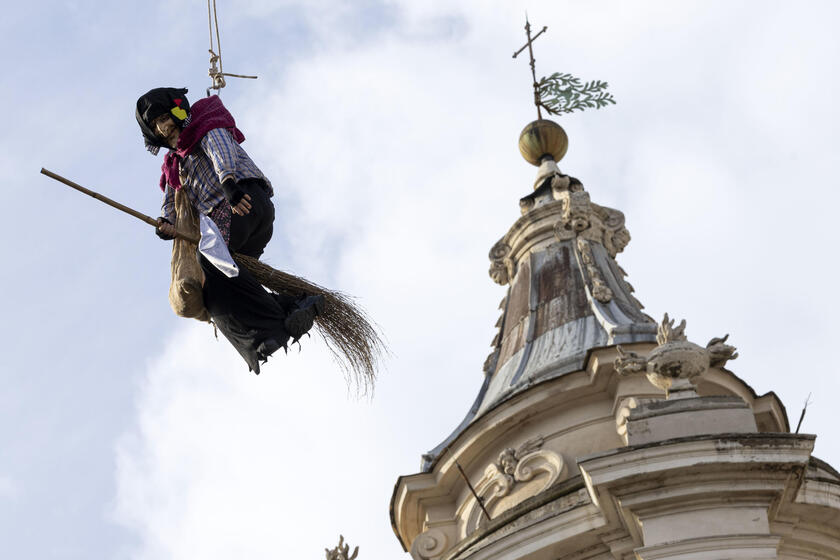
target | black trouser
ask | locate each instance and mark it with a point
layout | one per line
(249, 234)
(241, 308)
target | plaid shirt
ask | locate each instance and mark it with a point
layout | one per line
(203, 170)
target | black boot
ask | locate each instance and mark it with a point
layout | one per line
(268, 347)
(302, 316)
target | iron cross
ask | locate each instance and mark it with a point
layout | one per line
(531, 53)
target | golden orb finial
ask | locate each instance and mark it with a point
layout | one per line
(541, 139)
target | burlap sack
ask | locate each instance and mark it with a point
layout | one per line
(187, 277)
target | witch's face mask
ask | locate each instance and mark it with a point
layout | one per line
(166, 129)
(161, 114)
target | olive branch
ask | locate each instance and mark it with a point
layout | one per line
(563, 93)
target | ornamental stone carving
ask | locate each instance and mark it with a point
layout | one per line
(567, 209)
(622, 414)
(597, 284)
(676, 363)
(629, 290)
(430, 544)
(501, 265)
(526, 205)
(576, 211)
(579, 214)
(564, 183)
(492, 359)
(615, 235)
(518, 474)
(720, 353)
(341, 551)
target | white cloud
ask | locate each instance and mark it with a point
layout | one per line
(224, 464)
(9, 488)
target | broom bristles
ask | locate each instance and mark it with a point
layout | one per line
(350, 336)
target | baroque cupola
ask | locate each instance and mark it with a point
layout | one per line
(599, 432)
(566, 292)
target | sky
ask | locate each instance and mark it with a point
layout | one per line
(389, 131)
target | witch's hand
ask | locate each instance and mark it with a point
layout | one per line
(165, 230)
(243, 207)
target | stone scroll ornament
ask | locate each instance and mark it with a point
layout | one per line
(676, 363)
(513, 469)
(430, 544)
(501, 265)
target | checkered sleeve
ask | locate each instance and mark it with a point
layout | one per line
(168, 208)
(220, 147)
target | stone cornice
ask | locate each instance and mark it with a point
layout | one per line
(498, 427)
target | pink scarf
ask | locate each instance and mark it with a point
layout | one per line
(205, 115)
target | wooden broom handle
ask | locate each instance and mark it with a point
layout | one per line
(140, 216)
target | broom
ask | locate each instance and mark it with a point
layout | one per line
(346, 329)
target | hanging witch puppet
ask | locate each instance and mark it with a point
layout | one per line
(210, 174)
(207, 163)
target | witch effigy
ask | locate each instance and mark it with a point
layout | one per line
(207, 163)
(217, 209)
(207, 174)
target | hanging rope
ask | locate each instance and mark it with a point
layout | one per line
(217, 74)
